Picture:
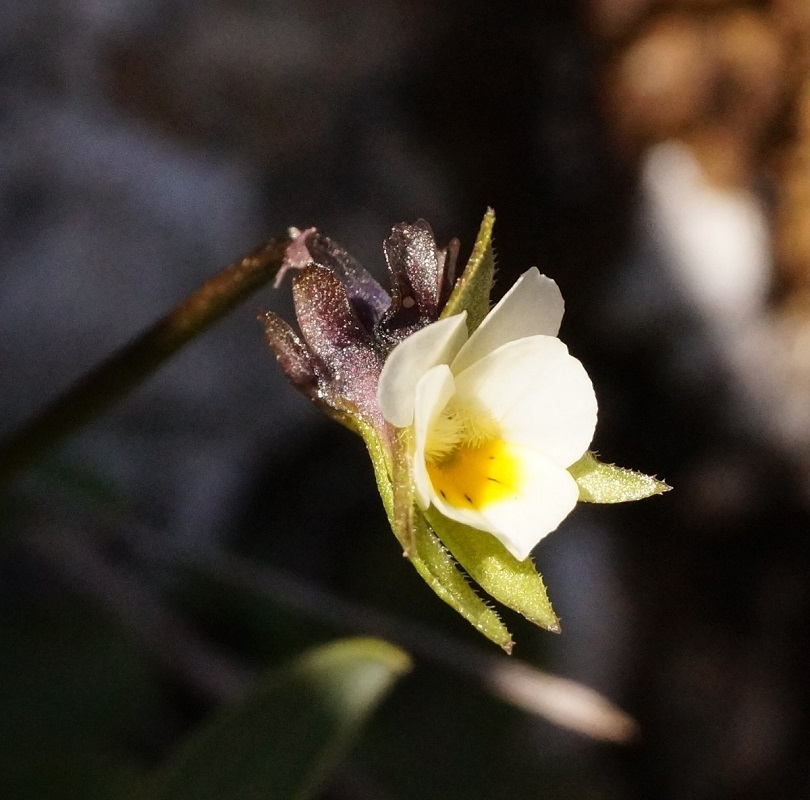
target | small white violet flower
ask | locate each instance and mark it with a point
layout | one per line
(487, 433)
(497, 418)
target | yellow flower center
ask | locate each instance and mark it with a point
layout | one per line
(474, 477)
(468, 463)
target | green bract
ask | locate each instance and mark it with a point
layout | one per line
(446, 383)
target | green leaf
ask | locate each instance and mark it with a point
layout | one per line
(430, 559)
(473, 289)
(284, 739)
(516, 584)
(607, 483)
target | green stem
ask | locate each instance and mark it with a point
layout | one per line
(113, 379)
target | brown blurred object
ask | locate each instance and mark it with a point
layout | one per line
(747, 94)
(792, 223)
(733, 83)
(610, 19)
(660, 84)
(793, 214)
(715, 81)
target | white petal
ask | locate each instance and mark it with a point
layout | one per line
(532, 307)
(547, 495)
(539, 395)
(432, 393)
(411, 359)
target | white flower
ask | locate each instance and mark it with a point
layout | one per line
(497, 417)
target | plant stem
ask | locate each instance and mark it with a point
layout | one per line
(113, 379)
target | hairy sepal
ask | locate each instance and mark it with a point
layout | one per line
(607, 483)
(472, 290)
(516, 584)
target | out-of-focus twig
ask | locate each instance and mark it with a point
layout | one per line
(182, 651)
(114, 378)
(564, 702)
(214, 674)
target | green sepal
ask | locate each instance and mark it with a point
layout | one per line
(439, 570)
(431, 560)
(607, 483)
(472, 290)
(516, 584)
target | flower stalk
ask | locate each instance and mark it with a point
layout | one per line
(115, 378)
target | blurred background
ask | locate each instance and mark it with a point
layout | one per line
(652, 157)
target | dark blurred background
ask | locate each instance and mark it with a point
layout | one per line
(652, 157)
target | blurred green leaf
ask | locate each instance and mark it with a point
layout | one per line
(472, 290)
(607, 483)
(284, 739)
(78, 698)
(71, 774)
(516, 584)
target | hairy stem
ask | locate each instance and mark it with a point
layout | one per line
(124, 370)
